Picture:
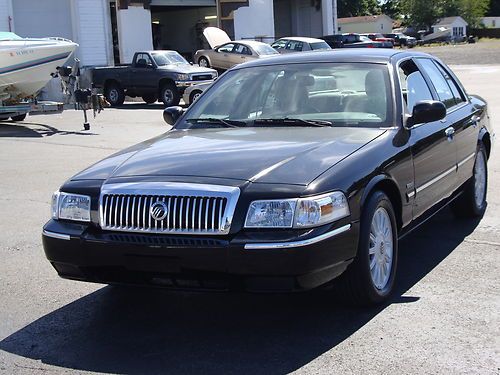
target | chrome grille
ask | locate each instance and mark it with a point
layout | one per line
(188, 208)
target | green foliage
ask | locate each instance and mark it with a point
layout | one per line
(392, 8)
(426, 13)
(354, 8)
(494, 8)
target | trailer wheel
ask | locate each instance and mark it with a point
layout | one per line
(18, 117)
(114, 94)
(150, 98)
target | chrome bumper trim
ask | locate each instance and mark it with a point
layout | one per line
(59, 236)
(288, 245)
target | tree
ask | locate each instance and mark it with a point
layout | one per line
(354, 8)
(494, 10)
(421, 14)
(473, 10)
(392, 8)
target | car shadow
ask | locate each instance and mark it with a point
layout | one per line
(28, 129)
(136, 331)
(141, 105)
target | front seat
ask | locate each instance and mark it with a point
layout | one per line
(372, 101)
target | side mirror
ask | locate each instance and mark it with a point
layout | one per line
(172, 114)
(150, 66)
(427, 111)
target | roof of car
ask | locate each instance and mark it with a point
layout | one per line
(250, 43)
(354, 55)
(303, 39)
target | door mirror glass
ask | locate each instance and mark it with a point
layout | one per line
(427, 111)
(172, 114)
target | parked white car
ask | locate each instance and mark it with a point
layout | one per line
(194, 92)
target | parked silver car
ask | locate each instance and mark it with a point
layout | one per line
(226, 53)
(194, 92)
(299, 44)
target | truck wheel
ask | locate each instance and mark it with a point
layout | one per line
(369, 279)
(203, 61)
(194, 95)
(114, 95)
(169, 95)
(18, 117)
(150, 99)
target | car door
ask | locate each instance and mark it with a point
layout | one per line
(465, 118)
(433, 151)
(221, 56)
(142, 74)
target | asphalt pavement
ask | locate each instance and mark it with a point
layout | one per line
(443, 318)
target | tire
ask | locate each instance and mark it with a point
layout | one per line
(367, 280)
(150, 98)
(472, 202)
(169, 95)
(114, 94)
(194, 95)
(18, 118)
(203, 62)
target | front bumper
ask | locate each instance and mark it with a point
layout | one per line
(255, 262)
(185, 84)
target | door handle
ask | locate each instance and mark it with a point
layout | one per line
(449, 132)
(474, 120)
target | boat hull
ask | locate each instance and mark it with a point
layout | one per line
(26, 66)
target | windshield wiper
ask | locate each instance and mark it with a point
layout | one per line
(214, 120)
(293, 121)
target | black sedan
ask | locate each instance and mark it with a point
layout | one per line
(288, 174)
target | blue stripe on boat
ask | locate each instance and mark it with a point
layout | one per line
(33, 63)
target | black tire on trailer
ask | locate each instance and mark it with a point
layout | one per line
(114, 94)
(150, 98)
(18, 117)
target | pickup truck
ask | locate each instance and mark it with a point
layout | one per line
(152, 75)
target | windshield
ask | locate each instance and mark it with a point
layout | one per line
(334, 94)
(167, 58)
(320, 45)
(264, 49)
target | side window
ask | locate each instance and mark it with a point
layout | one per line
(439, 82)
(457, 93)
(242, 50)
(413, 85)
(294, 45)
(143, 59)
(226, 48)
(280, 44)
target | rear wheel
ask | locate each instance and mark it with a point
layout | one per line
(472, 202)
(169, 95)
(18, 117)
(114, 94)
(194, 95)
(203, 61)
(370, 279)
(150, 98)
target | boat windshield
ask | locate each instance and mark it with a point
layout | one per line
(168, 57)
(5, 35)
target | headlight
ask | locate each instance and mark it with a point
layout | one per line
(297, 213)
(70, 206)
(183, 77)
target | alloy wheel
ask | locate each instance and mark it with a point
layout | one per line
(380, 248)
(480, 179)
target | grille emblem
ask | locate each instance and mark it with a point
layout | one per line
(158, 210)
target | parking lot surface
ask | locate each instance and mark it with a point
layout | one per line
(485, 52)
(443, 318)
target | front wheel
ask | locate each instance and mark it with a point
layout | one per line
(370, 279)
(203, 62)
(169, 95)
(472, 202)
(194, 95)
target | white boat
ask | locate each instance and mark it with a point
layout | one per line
(26, 64)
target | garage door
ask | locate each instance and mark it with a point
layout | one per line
(35, 18)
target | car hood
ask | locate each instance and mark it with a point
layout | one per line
(264, 155)
(215, 36)
(187, 68)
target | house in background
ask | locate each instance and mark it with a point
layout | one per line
(491, 22)
(366, 24)
(456, 25)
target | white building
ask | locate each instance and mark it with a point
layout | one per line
(456, 24)
(111, 31)
(366, 24)
(491, 22)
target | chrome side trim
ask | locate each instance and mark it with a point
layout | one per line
(466, 159)
(436, 179)
(59, 236)
(288, 245)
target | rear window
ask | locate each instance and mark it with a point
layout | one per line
(264, 49)
(320, 45)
